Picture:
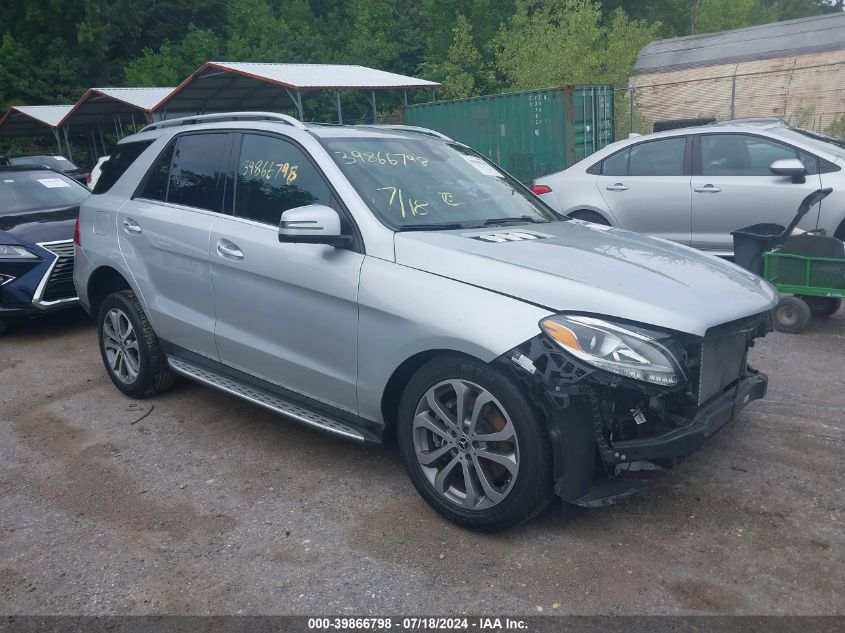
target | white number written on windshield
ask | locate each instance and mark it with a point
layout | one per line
(355, 157)
(396, 200)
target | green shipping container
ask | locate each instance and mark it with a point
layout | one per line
(529, 133)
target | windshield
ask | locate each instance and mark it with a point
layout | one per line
(419, 184)
(811, 140)
(22, 191)
(55, 162)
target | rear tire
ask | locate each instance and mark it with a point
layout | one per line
(484, 485)
(129, 347)
(589, 216)
(792, 315)
(823, 307)
(4, 327)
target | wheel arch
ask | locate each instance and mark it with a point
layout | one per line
(392, 394)
(102, 282)
(588, 210)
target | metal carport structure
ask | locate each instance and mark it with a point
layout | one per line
(40, 120)
(231, 86)
(117, 107)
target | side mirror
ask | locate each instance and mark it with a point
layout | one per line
(789, 167)
(312, 224)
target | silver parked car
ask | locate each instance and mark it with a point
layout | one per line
(696, 185)
(371, 281)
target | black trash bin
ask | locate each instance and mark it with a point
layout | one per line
(752, 241)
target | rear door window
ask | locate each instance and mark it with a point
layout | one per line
(658, 158)
(616, 165)
(155, 187)
(664, 157)
(196, 171)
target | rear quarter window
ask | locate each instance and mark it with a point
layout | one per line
(118, 163)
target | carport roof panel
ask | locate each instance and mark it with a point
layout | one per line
(141, 98)
(323, 76)
(815, 34)
(32, 120)
(100, 105)
(234, 86)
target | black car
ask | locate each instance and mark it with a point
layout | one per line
(50, 161)
(38, 211)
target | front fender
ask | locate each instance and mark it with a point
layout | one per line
(404, 311)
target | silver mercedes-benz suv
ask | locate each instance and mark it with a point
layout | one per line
(368, 281)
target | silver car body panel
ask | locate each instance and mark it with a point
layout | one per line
(583, 267)
(169, 260)
(406, 311)
(663, 207)
(667, 216)
(287, 313)
(761, 199)
(335, 324)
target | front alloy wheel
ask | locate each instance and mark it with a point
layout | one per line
(466, 444)
(474, 443)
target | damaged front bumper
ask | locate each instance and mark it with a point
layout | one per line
(705, 422)
(604, 427)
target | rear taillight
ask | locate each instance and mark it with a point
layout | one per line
(540, 189)
(76, 239)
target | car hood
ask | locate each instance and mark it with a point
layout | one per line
(582, 267)
(43, 225)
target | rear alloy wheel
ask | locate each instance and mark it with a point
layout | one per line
(823, 307)
(473, 445)
(792, 315)
(121, 346)
(129, 347)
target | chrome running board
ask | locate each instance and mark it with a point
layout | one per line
(263, 399)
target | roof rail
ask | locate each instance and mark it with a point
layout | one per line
(409, 128)
(226, 116)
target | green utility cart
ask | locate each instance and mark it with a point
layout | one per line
(808, 268)
(816, 283)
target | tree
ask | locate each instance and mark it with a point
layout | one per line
(463, 73)
(557, 42)
(171, 63)
(722, 15)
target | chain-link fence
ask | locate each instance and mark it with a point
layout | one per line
(811, 97)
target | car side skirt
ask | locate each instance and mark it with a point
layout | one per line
(293, 405)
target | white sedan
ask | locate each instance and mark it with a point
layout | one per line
(696, 185)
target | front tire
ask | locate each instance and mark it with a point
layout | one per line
(129, 347)
(473, 445)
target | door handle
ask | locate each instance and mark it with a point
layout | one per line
(617, 187)
(131, 226)
(229, 250)
(707, 189)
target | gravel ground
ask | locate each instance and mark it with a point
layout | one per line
(197, 503)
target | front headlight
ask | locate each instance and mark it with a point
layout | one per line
(10, 251)
(615, 348)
